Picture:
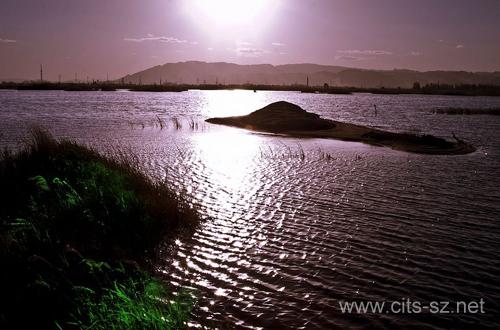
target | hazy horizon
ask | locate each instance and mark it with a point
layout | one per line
(116, 38)
(96, 38)
(36, 74)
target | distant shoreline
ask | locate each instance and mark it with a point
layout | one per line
(467, 111)
(434, 89)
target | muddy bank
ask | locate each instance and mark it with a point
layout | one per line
(290, 119)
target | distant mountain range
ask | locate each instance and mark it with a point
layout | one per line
(195, 72)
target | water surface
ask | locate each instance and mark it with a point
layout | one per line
(293, 226)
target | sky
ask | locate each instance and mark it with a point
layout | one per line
(100, 38)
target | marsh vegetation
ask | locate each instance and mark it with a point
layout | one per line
(467, 111)
(76, 233)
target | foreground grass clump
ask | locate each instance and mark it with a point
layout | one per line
(75, 231)
(133, 304)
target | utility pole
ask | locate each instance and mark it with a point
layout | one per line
(41, 72)
(307, 81)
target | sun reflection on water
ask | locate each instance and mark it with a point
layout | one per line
(232, 102)
(228, 161)
(228, 155)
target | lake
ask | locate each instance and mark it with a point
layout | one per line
(295, 226)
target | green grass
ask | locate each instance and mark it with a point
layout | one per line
(73, 220)
(134, 304)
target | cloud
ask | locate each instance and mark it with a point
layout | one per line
(365, 52)
(250, 52)
(349, 58)
(7, 41)
(414, 53)
(151, 37)
(278, 44)
(460, 46)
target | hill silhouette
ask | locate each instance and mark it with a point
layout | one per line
(195, 72)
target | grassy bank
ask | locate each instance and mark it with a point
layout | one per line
(467, 111)
(75, 231)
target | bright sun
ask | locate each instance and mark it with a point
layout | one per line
(226, 19)
(230, 12)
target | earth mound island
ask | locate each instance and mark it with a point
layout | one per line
(290, 119)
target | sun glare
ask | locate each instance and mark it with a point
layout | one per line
(231, 103)
(230, 169)
(230, 12)
(222, 19)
